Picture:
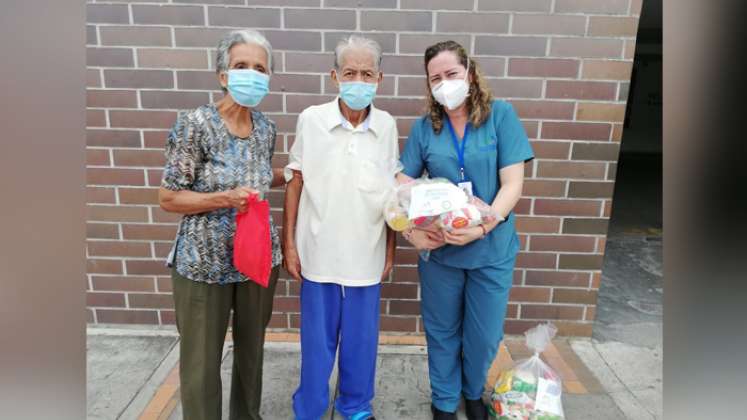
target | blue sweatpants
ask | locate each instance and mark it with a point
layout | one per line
(333, 315)
(463, 313)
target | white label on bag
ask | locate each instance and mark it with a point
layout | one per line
(434, 199)
(548, 397)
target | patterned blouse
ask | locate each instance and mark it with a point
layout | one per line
(202, 156)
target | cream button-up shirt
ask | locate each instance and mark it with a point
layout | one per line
(347, 172)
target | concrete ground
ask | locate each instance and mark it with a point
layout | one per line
(614, 375)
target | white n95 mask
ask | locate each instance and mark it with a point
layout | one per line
(452, 93)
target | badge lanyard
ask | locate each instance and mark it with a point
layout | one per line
(465, 184)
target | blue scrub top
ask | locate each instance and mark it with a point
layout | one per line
(499, 142)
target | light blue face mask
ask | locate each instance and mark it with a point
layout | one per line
(357, 95)
(247, 87)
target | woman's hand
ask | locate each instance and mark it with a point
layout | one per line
(237, 197)
(461, 237)
(422, 239)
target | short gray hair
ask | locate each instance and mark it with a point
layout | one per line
(357, 42)
(242, 36)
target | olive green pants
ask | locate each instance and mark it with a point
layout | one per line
(202, 315)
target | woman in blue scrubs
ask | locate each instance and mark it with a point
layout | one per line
(479, 144)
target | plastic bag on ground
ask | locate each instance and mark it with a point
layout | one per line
(530, 389)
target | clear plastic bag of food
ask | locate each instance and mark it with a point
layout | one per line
(530, 389)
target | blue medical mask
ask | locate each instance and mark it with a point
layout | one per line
(357, 95)
(247, 87)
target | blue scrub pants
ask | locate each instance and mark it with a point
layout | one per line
(463, 314)
(330, 315)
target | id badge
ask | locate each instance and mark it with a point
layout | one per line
(466, 187)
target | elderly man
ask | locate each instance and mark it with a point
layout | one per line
(335, 239)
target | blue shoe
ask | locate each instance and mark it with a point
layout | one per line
(363, 415)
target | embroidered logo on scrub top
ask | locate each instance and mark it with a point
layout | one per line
(490, 143)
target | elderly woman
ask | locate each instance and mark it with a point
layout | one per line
(479, 144)
(216, 157)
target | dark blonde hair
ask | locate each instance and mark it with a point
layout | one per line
(479, 97)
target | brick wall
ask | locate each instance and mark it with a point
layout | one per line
(564, 64)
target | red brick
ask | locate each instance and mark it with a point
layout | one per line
(149, 232)
(551, 312)
(516, 326)
(197, 80)
(404, 307)
(109, 57)
(111, 176)
(565, 89)
(417, 43)
(163, 284)
(550, 150)
(523, 206)
(535, 260)
(635, 7)
(596, 278)
(398, 324)
(137, 79)
(596, 151)
(483, 22)
(543, 188)
(161, 249)
(172, 58)
(147, 267)
(168, 15)
(617, 130)
(148, 158)
(135, 36)
(297, 103)
(575, 329)
(94, 265)
(589, 111)
(607, 69)
(559, 207)
(543, 109)
(585, 47)
(613, 26)
(515, 5)
(246, 17)
(629, 49)
(580, 261)
(154, 177)
(93, 78)
(294, 40)
(400, 64)
(396, 21)
(97, 157)
(150, 300)
(387, 41)
(161, 216)
(142, 119)
(126, 316)
(592, 6)
(511, 45)
(532, 128)
(562, 243)
(104, 195)
(405, 274)
(526, 224)
(118, 249)
(92, 37)
(299, 83)
(368, 4)
(401, 106)
(102, 231)
(399, 291)
(574, 296)
(557, 278)
(591, 313)
(516, 88)
(575, 130)
(309, 62)
(585, 226)
(122, 283)
(601, 245)
(406, 256)
(591, 189)
(529, 294)
(107, 13)
(112, 300)
(104, 213)
(111, 98)
(168, 317)
(531, 24)
(542, 67)
(138, 195)
(319, 19)
(112, 138)
(95, 118)
(574, 170)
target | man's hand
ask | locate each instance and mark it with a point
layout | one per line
(237, 197)
(291, 261)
